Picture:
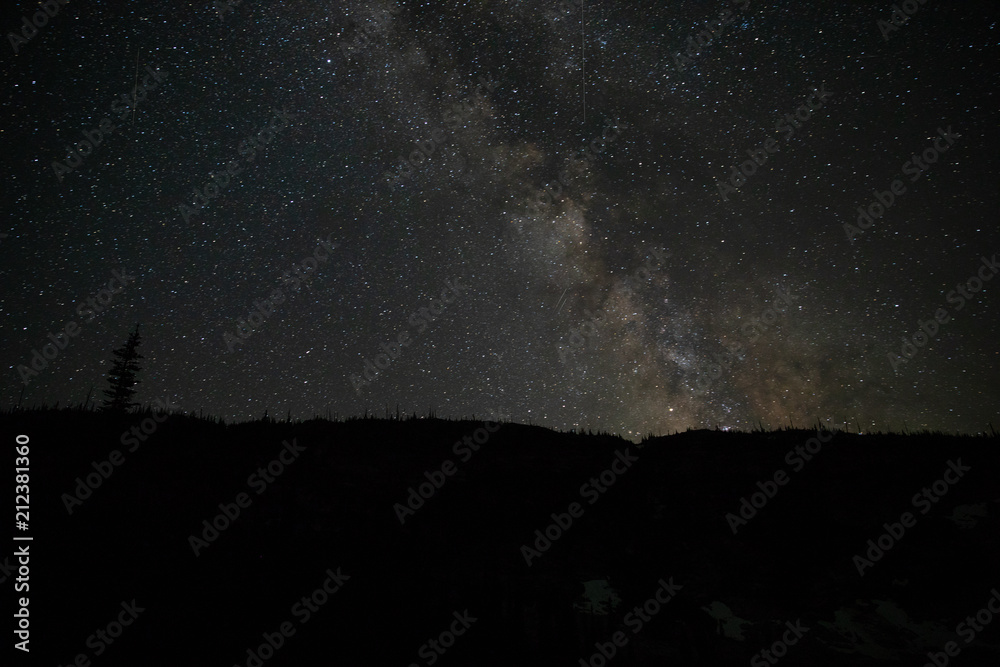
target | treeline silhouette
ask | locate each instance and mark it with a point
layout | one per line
(395, 415)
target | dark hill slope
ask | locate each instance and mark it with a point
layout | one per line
(661, 516)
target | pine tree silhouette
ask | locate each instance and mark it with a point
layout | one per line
(121, 377)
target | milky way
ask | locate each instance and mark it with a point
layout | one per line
(630, 217)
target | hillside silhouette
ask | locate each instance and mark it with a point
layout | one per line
(339, 506)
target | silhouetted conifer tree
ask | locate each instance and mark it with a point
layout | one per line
(121, 377)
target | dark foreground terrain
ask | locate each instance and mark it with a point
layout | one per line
(635, 561)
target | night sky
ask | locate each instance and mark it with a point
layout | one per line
(579, 235)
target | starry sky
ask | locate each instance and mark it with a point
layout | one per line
(628, 216)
